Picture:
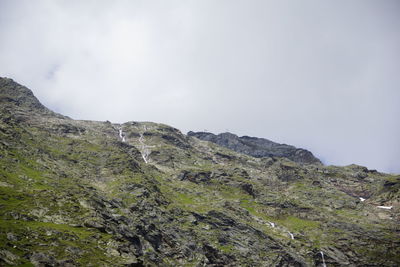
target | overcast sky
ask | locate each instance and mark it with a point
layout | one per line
(322, 75)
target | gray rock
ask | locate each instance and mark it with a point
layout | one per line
(258, 147)
(7, 257)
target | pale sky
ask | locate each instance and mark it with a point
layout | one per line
(322, 75)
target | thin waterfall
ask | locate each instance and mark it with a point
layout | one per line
(291, 235)
(323, 259)
(121, 134)
(145, 150)
(385, 207)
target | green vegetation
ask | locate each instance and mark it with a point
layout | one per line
(73, 192)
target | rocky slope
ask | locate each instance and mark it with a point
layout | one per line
(87, 193)
(258, 147)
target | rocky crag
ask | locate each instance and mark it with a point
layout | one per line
(91, 193)
(258, 147)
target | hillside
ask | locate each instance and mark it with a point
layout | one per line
(92, 193)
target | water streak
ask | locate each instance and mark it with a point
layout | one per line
(323, 259)
(385, 207)
(145, 151)
(121, 134)
(291, 235)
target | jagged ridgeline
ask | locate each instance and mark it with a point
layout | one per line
(91, 193)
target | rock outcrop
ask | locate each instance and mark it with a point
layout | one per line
(258, 147)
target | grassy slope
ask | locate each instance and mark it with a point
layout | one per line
(59, 179)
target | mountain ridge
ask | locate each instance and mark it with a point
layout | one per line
(258, 147)
(92, 193)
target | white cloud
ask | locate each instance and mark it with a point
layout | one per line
(317, 74)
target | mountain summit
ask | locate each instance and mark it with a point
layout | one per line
(15, 94)
(96, 193)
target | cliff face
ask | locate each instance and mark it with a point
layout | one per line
(258, 147)
(87, 193)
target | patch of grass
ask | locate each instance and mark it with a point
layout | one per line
(225, 248)
(84, 245)
(185, 199)
(249, 206)
(297, 224)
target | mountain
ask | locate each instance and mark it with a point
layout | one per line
(93, 193)
(258, 147)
